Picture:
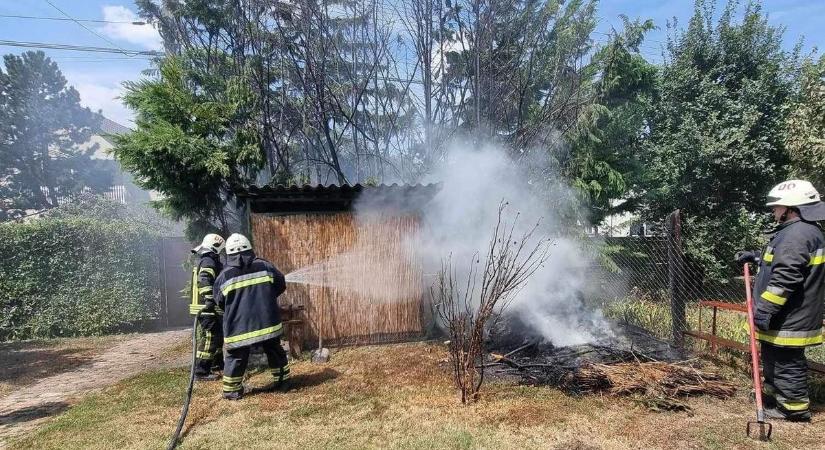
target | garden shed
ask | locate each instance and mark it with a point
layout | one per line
(348, 249)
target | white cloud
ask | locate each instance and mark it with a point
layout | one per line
(104, 95)
(146, 36)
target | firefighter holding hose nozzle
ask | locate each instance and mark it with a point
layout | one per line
(789, 297)
(210, 326)
(247, 290)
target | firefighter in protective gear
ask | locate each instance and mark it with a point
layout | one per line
(789, 297)
(247, 290)
(210, 327)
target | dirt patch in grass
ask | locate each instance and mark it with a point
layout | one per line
(397, 397)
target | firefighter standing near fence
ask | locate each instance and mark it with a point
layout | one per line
(789, 297)
(248, 290)
(210, 327)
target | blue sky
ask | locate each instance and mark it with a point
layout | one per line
(99, 76)
(801, 19)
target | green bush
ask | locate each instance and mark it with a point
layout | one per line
(73, 276)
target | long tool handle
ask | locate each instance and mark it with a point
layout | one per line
(324, 292)
(757, 378)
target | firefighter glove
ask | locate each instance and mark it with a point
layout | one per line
(746, 256)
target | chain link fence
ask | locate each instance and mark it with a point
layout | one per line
(651, 282)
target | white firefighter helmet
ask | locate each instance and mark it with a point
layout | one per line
(211, 242)
(799, 194)
(237, 243)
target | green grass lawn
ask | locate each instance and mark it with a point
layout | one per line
(396, 396)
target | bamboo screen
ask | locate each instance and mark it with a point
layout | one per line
(374, 291)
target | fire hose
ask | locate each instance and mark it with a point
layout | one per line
(185, 411)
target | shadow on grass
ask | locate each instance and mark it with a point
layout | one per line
(33, 413)
(308, 380)
(27, 361)
(299, 382)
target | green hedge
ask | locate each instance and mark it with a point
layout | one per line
(76, 276)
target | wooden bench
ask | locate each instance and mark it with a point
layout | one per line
(292, 316)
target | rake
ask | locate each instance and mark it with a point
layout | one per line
(758, 429)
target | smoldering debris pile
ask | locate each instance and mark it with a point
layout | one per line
(659, 385)
(634, 365)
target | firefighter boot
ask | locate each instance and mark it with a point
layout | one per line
(775, 413)
(235, 395)
(207, 377)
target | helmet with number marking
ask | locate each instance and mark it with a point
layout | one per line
(211, 242)
(799, 194)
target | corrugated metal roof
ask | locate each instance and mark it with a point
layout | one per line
(286, 199)
(320, 189)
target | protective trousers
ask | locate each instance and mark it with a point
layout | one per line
(237, 358)
(786, 379)
(210, 344)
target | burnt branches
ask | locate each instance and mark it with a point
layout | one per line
(468, 301)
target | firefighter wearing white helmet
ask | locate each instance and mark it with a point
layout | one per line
(210, 331)
(237, 243)
(247, 290)
(797, 196)
(789, 297)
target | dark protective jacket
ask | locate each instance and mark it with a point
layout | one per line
(789, 286)
(247, 290)
(203, 278)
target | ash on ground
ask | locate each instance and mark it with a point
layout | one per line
(627, 362)
(516, 353)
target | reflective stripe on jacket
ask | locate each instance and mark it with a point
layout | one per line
(203, 278)
(247, 290)
(789, 286)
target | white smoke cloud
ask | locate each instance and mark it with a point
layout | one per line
(461, 218)
(145, 36)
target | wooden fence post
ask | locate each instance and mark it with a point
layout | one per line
(675, 265)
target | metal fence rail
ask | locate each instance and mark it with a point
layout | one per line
(651, 282)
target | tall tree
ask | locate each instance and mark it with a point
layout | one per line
(45, 155)
(806, 125)
(328, 104)
(343, 94)
(716, 142)
(520, 69)
(606, 149)
(196, 140)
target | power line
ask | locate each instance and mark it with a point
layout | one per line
(86, 28)
(99, 60)
(63, 19)
(96, 58)
(79, 48)
(130, 53)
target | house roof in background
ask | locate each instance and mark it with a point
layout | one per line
(286, 199)
(107, 128)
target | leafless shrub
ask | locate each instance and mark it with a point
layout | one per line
(467, 303)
